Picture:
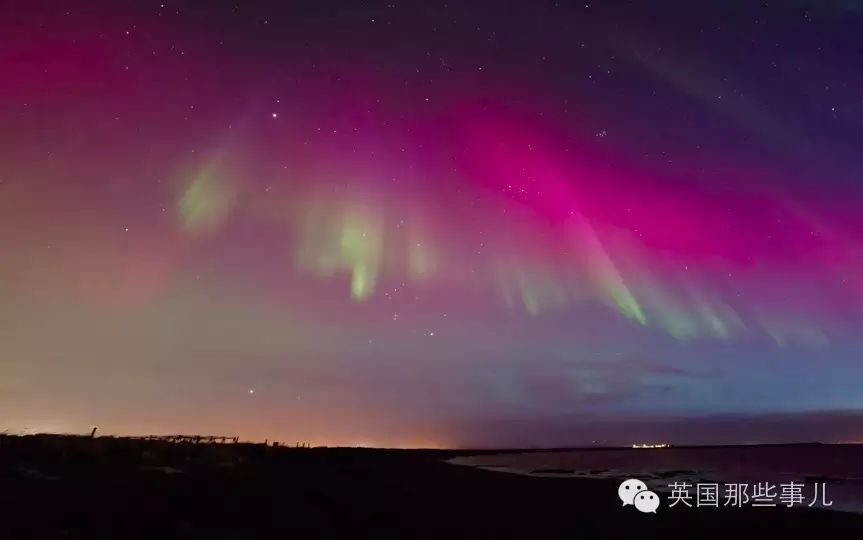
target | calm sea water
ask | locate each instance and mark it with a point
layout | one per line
(839, 467)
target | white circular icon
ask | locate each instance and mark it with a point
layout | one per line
(646, 501)
(629, 488)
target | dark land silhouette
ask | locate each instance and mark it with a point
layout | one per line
(103, 487)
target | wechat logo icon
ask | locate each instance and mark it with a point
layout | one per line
(634, 492)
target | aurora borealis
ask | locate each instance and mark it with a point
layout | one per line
(390, 223)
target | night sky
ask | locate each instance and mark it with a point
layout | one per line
(432, 224)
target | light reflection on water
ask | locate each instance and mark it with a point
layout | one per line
(840, 467)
